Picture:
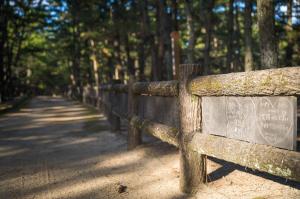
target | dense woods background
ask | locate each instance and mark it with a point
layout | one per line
(48, 46)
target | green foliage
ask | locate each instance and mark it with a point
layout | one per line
(48, 43)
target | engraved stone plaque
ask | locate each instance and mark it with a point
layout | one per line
(262, 120)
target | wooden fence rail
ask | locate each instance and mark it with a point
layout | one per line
(162, 88)
(193, 144)
(282, 81)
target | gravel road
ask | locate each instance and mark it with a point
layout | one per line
(54, 148)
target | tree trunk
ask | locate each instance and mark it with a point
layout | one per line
(289, 28)
(237, 47)
(230, 37)
(174, 15)
(144, 35)
(267, 38)
(248, 36)
(130, 64)
(208, 33)
(159, 44)
(77, 90)
(119, 63)
(155, 72)
(95, 66)
(164, 42)
(191, 31)
(3, 24)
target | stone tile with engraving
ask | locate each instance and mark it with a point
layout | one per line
(262, 120)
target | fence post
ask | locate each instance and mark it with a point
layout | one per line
(192, 165)
(134, 134)
(114, 119)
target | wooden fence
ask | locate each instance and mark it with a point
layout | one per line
(181, 104)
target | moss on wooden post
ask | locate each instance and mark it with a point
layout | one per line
(134, 133)
(192, 164)
(281, 81)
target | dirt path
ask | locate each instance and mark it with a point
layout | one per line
(55, 148)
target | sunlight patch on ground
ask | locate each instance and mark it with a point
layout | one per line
(78, 157)
(9, 151)
(65, 119)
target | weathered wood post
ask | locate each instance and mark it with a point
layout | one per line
(192, 165)
(134, 134)
(115, 120)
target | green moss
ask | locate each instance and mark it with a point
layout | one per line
(275, 170)
(206, 85)
(266, 82)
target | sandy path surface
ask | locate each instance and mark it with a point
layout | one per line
(54, 148)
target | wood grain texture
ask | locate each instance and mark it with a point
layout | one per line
(161, 88)
(163, 132)
(134, 134)
(283, 81)
(192, 165)
(265, 158)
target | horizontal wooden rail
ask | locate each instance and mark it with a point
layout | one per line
(264, 158)
(115, 87)
(163, 132)
(162, 88)
(282, 81)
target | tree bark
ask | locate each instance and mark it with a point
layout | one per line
(191, 31)
(264, 158)
(175, 53)
(144, 35)
(155, 41)
(163, 132)
(134, 133)
(130, 64)
(248, 36)
(208, 33)
(230, 37)
(76, 57)
(3, 24)
(161, 88)
(281, 81)
(289, 29)
(174, 15)
(267, 38)
(237, 47)
(164, 42)
(95, 66)
(192, 165)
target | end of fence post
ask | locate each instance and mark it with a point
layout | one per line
(192, 165)
(134, 134)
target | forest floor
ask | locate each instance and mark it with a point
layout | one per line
(54, 148)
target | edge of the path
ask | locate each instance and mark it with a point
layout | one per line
(15, 104)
